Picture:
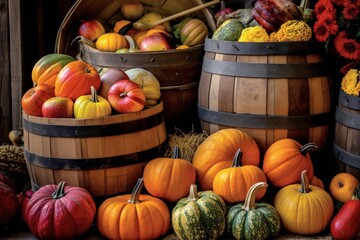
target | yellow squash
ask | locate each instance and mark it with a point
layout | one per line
(91, 106)
(304, 209)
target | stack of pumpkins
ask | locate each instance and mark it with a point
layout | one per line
(227, 169)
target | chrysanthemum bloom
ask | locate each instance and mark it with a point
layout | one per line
(350, 83)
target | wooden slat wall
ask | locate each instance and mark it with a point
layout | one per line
(27, 32)
(16, 61)
(5, 95)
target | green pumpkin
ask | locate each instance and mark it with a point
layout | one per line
(250, 220)
(199, 216)
(229, 30)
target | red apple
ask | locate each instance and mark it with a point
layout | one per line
(223, 11)
(108, 77)
(125, 96)
(33, 99)
(91, 29)
(132, 10)
(154, 42)
(58, 107)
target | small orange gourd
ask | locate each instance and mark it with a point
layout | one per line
(217, 151)
(233, 183)
(169, 178)
(133, 216)
(284, 161)
(110, 42)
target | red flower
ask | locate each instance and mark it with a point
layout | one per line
(321, 32)
(329, 21)
(324, 6)
(347, 67)
(347, 48)
(350, 11)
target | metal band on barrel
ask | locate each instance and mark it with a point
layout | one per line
(262, 121)
(95, 130)
(94, 163)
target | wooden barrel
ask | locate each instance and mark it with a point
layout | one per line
(105, 155)
(347, 134)
(178, 71)
(269, 90)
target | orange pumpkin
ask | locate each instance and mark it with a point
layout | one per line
(75, 79)
(233, 183)
(169, 178)
(110, 42)
(284, 161)
(216, 152)
(133, 216)
(317, 182)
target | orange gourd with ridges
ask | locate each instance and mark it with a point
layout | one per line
(284, 161)
(76, 79)
(216, 152)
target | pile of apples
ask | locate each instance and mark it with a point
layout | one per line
(126, 35)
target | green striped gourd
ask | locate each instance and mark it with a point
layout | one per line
(229, 30)
(250, 220)
(199, 216)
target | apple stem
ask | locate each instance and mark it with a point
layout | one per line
(123, 94)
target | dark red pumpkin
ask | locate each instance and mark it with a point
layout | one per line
(24, 198)
(7, 180)
(60, 212)
(9, 203)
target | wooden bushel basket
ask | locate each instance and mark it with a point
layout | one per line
(178, 71)
(347, 134)
(105, 155)
(270, 90)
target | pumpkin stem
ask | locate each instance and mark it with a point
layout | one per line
(176, 152)
(94, 97)
(87, 70)
(237, 158)
(249, 202)
(307, 147)
(130, 40)
(304, 183)
(136, 191)
(59, 191)
(193, 196)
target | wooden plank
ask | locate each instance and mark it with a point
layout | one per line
(5, 109)
(16, 63)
